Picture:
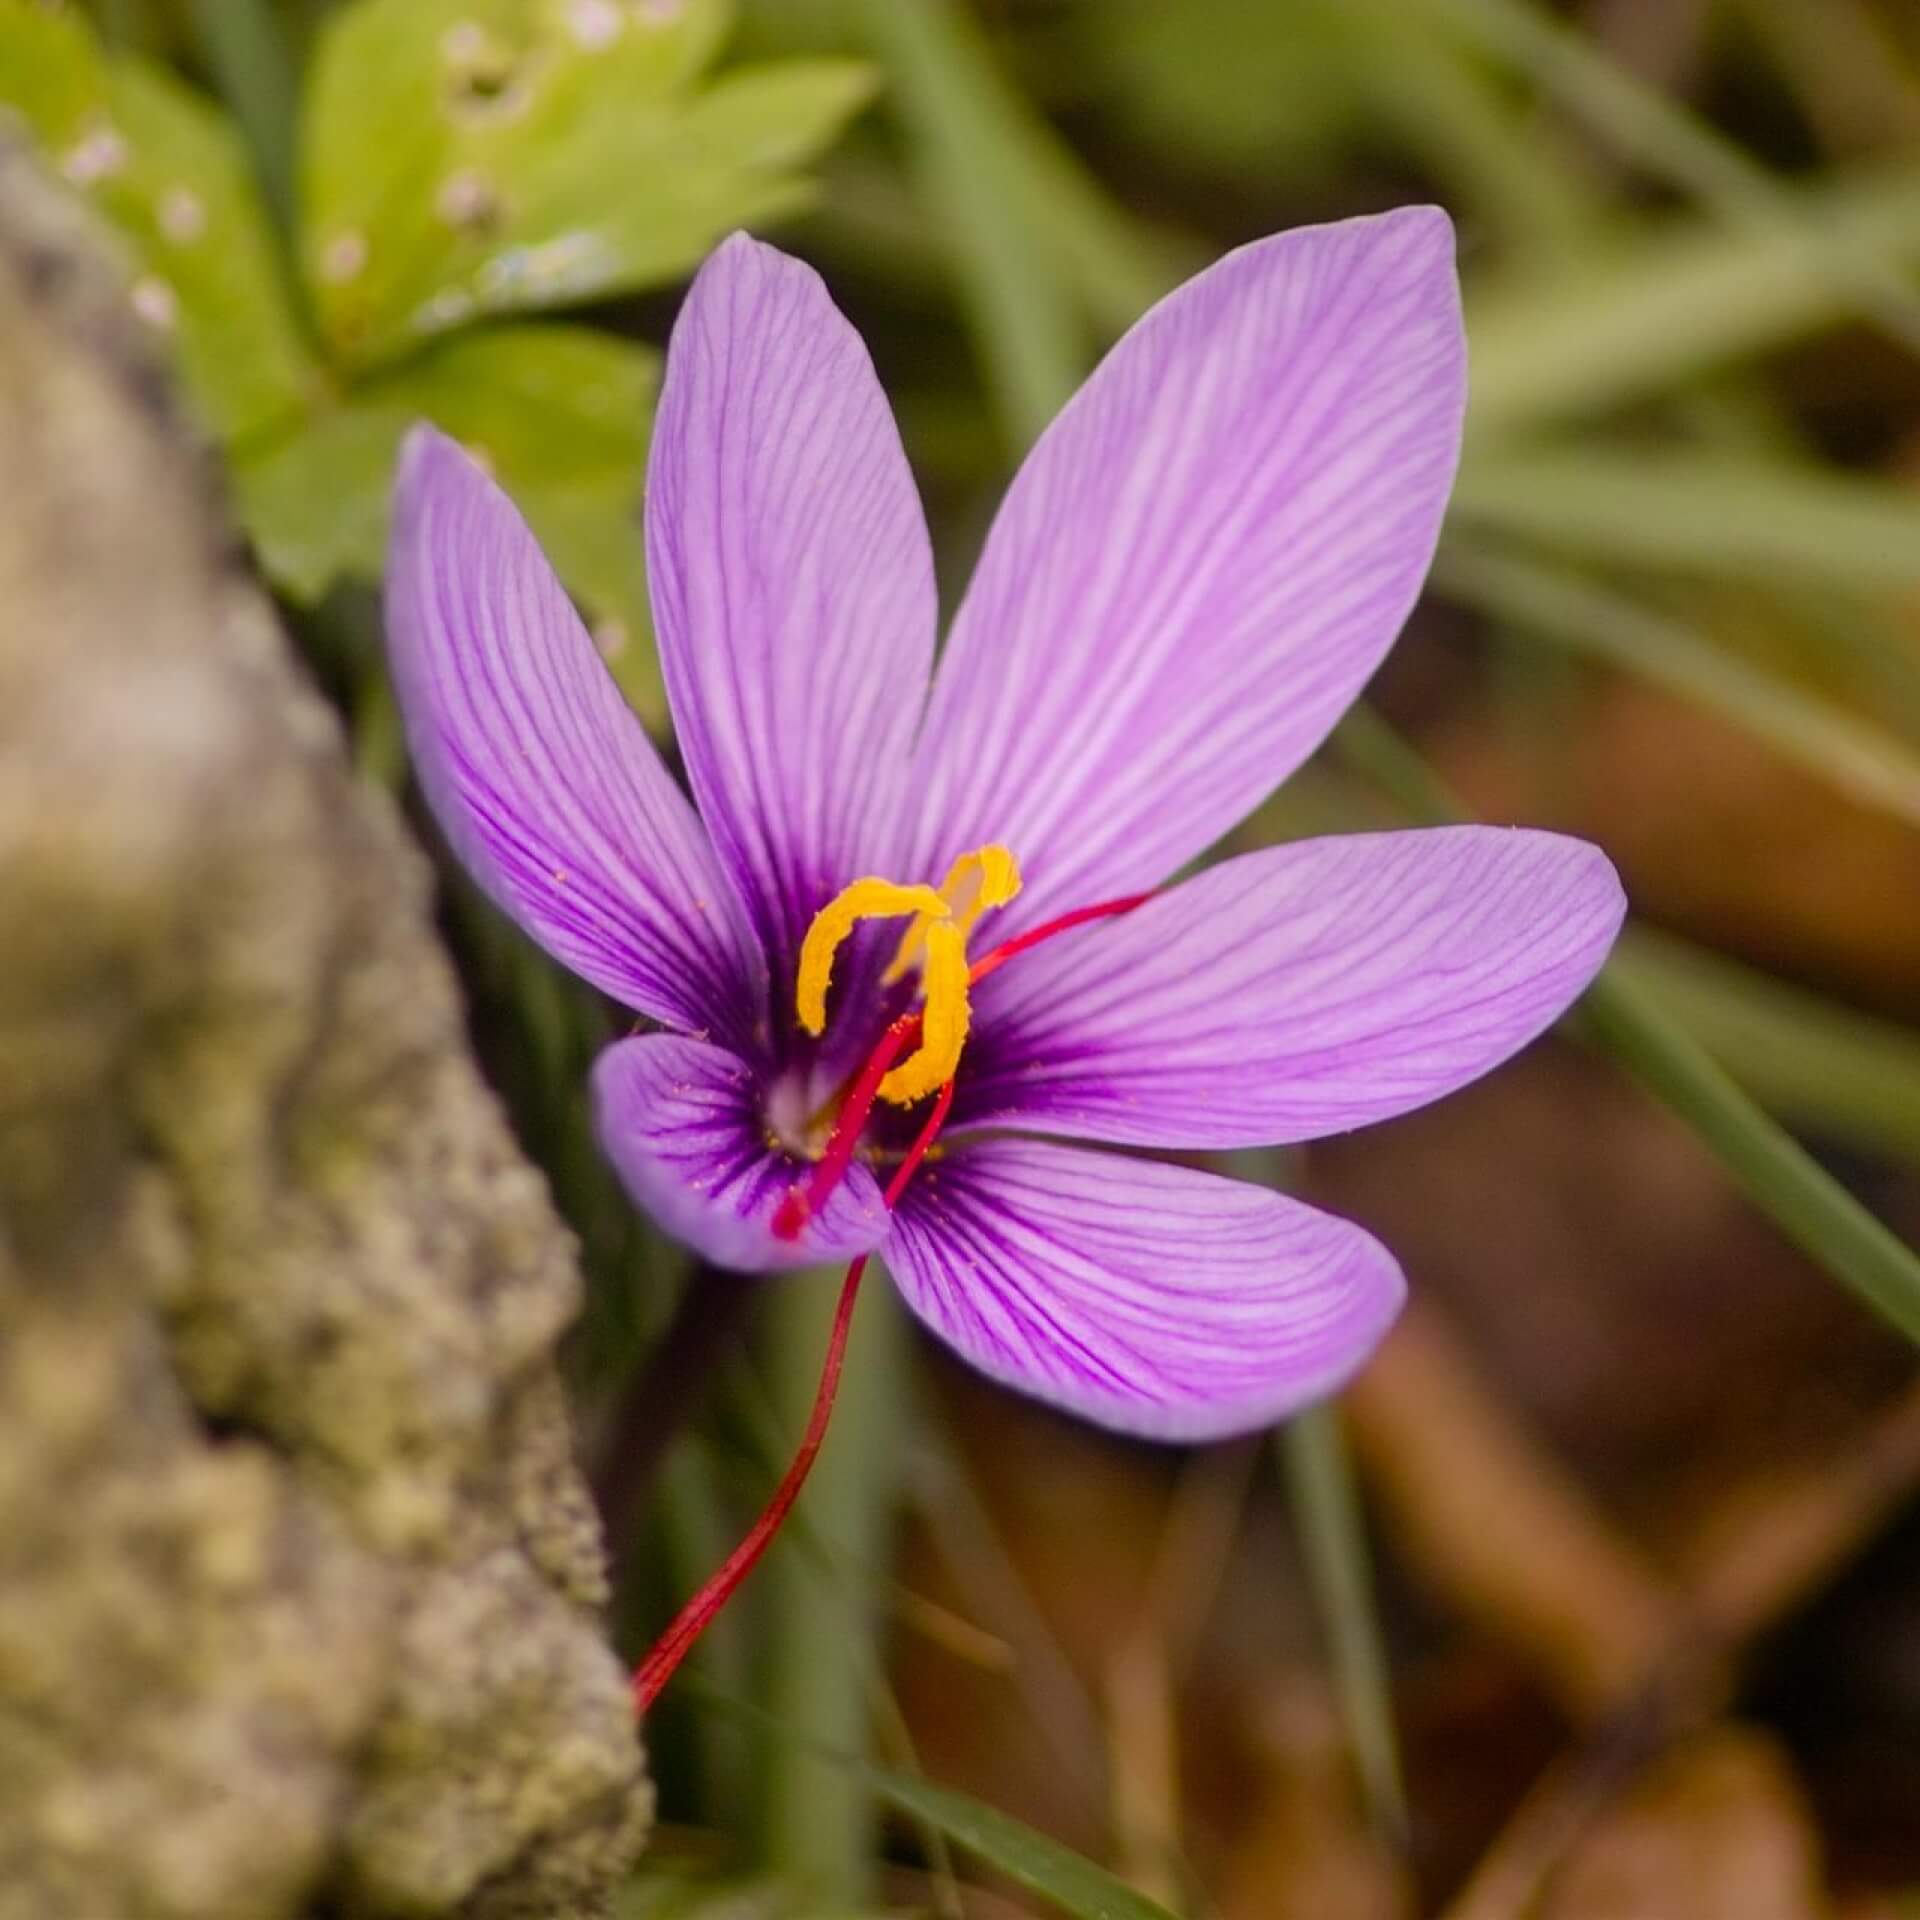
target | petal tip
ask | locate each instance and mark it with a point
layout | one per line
(741, 255)
(1594, 881)
(1425, 226)
(431, 462)
(425, 444)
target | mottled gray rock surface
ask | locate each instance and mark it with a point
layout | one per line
(299, 1589)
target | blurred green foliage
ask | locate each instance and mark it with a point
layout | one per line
(458, 161)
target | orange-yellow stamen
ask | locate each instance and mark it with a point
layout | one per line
(935, 942)
(987, 877)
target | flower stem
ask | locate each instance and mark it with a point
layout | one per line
(673, 1646)
(815, 1632)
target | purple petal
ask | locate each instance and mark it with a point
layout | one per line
(541, 776)
(1201, 562)
(1295, 992)
(792, 584)
(1149, 1298)
(682, 1123)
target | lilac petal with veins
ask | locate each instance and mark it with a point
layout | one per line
(1296, 992)
(1201, 563)
(792, 585)
(683, 1125)
(540, 774)
(1149, 1298)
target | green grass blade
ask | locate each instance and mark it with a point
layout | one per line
(1773, 522)
(1055, 1873)
(816, 1822)
(1670, 299)
(1058, 1875)
(1547, 603)
(1802, 1199)
(973, 167)
(1481, 144)
(1669, 141)
(1828, 1068)
(1333, 1542)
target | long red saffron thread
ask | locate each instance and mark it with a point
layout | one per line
(801, 1203)
(673, 1646)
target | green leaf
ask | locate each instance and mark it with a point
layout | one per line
(561, 413)
(52, 75)
(467, 157)
(1700, 513)
(170, 171)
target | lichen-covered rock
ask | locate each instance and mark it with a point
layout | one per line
(298, 1584)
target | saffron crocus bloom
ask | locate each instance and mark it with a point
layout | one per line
(1195, 572)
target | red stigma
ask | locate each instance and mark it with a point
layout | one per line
(800, 1206)
(673, 1646)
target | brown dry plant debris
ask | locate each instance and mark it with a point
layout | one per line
(1641, 1659)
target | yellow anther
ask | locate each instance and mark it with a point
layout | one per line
(943, 1020)
(868, 899)
(935, 942)
(987, 877)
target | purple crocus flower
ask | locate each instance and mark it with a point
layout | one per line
(1193, 575)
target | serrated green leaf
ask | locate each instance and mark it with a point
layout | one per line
(561, 414)
(466, 157)
(170, 171)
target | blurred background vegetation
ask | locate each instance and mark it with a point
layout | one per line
(1640, 1632)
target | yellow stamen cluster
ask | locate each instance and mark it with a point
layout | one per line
(935, 942)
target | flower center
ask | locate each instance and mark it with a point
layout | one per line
(804, 1201)
(935, 942)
